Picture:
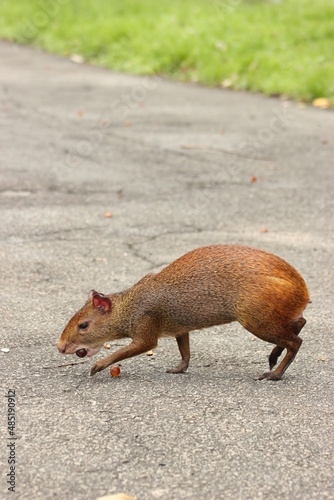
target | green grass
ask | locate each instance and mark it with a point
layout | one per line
(284, 47)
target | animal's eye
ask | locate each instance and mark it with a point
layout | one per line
(84, 325)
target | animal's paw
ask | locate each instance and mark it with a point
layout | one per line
(182, 368)
(177, 370)
(269, 376)
(97, 367)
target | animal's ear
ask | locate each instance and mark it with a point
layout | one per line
(91, 294)
(102, 303)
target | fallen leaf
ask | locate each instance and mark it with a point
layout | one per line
(220, 45)
(226, 83)
(76, 58)
(117, 496)
(322, 102)
(158, 493)
(108, 215)
(253, 180)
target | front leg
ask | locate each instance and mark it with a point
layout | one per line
(184, 348)
(144, 339)
(129, 351)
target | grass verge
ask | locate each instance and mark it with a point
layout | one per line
(276, 47)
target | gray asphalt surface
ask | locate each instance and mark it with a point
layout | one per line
(173, 163)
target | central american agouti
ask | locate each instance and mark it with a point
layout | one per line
(209, 286)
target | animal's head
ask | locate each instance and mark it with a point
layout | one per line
(89, 328)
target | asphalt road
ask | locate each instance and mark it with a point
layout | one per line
(178, 166)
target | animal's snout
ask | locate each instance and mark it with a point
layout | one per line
(61, 346)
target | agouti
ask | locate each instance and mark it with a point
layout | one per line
(209, 286)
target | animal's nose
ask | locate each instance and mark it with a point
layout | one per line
(61, 346)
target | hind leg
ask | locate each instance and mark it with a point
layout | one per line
(274, 355)
(292, 346)
(277, 351)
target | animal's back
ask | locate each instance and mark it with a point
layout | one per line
(223, 283)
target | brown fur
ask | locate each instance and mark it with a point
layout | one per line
(209, 286)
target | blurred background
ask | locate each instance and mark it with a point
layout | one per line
(272, 46)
